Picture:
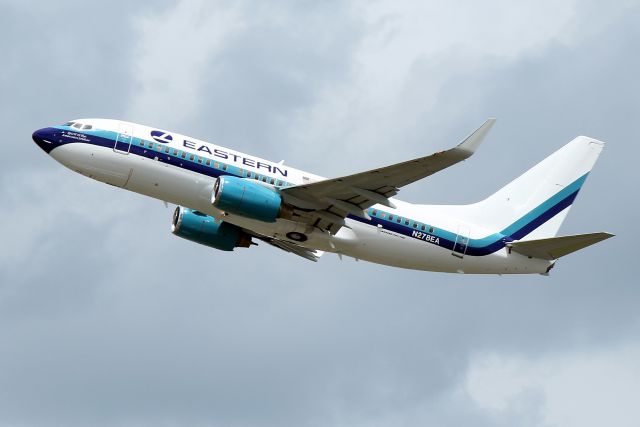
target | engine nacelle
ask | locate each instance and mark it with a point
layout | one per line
(201, 228)
(248, 198)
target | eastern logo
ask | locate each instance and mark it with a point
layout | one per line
(161, 137)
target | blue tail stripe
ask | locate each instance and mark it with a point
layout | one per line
(540, 211)
(496, 241)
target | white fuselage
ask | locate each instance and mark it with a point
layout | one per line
(182, 170)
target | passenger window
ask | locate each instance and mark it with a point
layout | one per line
(398, 220)
(150, 144)
(175, 152)
(264, 179)
(183, 155)
(279, 183)
(390, 217)
(191, 157)
(166, 150)
(208, 163)
(216, 165)
(224, 167)
(430, 229)
(200, 160)
(375, 212)
(141, 143)
(271, 181)
(406, 222)
(422, 227)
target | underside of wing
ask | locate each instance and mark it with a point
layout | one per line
(311, 255)
(327, 203)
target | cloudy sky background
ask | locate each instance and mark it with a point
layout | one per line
(107, 319)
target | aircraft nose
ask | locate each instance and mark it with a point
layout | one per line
(44, 138)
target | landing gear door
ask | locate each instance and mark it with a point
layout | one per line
(124, 138)
(462, 242)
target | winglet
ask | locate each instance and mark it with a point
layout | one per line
(473, 141)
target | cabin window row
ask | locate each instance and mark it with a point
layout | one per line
(401, 220)
(216, 165)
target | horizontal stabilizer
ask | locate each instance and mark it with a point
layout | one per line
(556, 247)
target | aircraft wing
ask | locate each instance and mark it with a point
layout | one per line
(325, 204)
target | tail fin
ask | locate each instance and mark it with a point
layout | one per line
(536, 203)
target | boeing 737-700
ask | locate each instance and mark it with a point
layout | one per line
(227, 199)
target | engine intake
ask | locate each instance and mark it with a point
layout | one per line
(249, 199)
(201, 228)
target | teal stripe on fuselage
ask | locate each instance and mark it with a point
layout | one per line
(488, 244)
(447, 235)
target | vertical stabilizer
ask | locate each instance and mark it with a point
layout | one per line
(536, 203)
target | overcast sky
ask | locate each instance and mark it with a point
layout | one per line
(106, 319)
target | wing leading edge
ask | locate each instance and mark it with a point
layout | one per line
(326, 204)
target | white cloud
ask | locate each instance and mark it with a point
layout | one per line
(109, 317)
(33, 211)
(173, 51)
(408, 53)
(581, 389)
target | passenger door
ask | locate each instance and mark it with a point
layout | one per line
(124, 138)
(462, 242)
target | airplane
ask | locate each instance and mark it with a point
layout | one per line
(227, 199)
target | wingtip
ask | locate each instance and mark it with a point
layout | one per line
(473, 141)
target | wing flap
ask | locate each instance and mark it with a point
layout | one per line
(311, 255)
(556, 247)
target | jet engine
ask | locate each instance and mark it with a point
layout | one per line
(248, 198)
(204, 229)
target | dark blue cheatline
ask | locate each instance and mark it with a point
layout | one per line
(50, 138)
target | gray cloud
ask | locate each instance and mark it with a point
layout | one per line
(107, 319)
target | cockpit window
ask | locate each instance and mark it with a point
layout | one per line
(78, 125)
